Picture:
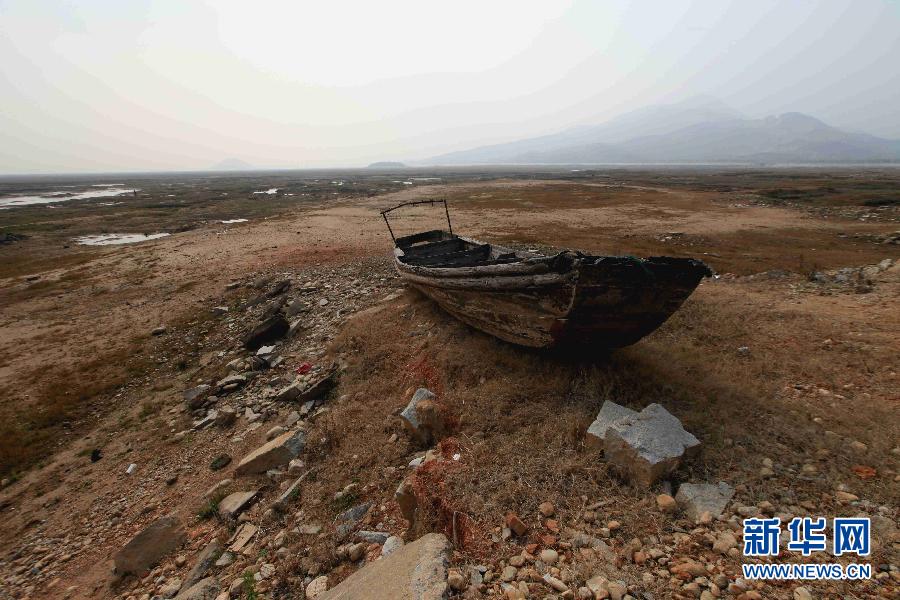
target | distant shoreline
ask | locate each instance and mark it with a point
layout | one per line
(552, 167)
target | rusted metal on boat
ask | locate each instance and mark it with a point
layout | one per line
(567, 299)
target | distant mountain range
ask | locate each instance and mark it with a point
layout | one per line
(386, 164)
(697, 131)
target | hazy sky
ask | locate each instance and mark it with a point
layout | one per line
(94, 85)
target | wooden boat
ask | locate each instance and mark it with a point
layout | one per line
(567, 299)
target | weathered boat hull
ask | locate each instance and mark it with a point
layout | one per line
(562, 300)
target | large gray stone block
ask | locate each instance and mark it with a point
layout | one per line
(648, 446)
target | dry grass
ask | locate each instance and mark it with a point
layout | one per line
(68, 396)
(64, 396)
(520, 416)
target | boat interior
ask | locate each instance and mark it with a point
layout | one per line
(438, 248)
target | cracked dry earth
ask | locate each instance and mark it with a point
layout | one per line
(788, 382)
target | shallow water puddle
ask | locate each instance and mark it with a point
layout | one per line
(105, 191)
(110, 239)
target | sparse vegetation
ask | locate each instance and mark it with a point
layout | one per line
(250, 587)
(210, 508)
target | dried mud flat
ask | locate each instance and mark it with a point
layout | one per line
(784, 367)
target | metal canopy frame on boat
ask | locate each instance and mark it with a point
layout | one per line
(384, 214)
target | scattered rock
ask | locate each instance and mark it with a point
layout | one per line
(509, 573)
(422, 417)
(226, 416)
(309, 529)
(547, 509)
(317, 587)
(205, 561)
(226, 559)
(356, 551)
(265, 350)
(319, 384)
(858, 446)
(688, 570)
(845, 497)
(196, 396)
(292, 419)
(295, 308)
(231, 383)
(220, 462)
(349, 518)
(232, 505)
(147, 548)
(417, 570)
(599, 586)
(456, 580)
(206, 421)
(801, 593)
(274, 432)
(313, 387)
(373, 537)
(725, 542)
(170, 588)
(549, 556)
(516, 525)
(616, 590)
(280, 288)
(270, 330)
(666, 503)
(205, 589)
(698, 498)
(273, 454)
(555, 583)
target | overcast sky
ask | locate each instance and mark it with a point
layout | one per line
(96, 85)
